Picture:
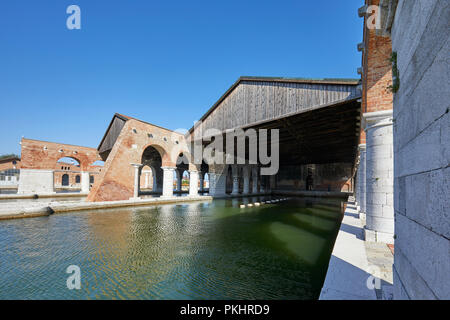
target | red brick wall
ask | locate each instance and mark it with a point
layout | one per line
(44, 155)
(116, 181)
(377, 71)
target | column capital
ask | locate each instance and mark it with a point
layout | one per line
(362, 147)
(136, 165)
(169, 168)
(377, 119)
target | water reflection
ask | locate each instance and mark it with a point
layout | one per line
(199, 250)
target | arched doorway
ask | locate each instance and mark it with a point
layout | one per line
(151, 174)
(182, 177)
(185, 179)
(146, 179)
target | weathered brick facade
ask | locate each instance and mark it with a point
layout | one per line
(116, 181)
(38, 154)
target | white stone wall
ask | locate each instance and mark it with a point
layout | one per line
(34, 181)
(422, 150)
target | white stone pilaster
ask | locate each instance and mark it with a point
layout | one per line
(193, 183)
(168, 172)
(136, 167)
(379, 177)
(85, 182)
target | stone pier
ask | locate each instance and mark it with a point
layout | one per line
(379, 177)
(168, 173)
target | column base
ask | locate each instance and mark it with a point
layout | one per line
(377, 236)
(362, 216)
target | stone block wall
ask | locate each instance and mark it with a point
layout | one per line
(422, 150)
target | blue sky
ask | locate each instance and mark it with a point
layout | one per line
(165, 62)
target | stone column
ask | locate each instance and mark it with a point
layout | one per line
(235, 174)
(85, 182)
(262, 184)
(379, 177)
(255, 179)
(155, 185)
(200, 178)
(168, 173)
(193, 183)
(212, 182)
(136, 166)
(246, 189)
(146, 180)
(179, 179)
(217, 180)
(273, 182)
(362, 181)
(36, 181)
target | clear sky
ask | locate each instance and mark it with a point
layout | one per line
(165, 62)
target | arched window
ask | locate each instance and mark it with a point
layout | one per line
(65, 180)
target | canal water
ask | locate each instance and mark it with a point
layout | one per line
(198, 250)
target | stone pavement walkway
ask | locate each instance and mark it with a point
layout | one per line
(358, 270)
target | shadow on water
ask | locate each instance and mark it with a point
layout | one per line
(201, 250)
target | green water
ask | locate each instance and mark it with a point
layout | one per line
(202, 250)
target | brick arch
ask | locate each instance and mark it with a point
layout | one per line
(163, 153)
(70, 157)
(187, 155)
(36, 154)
